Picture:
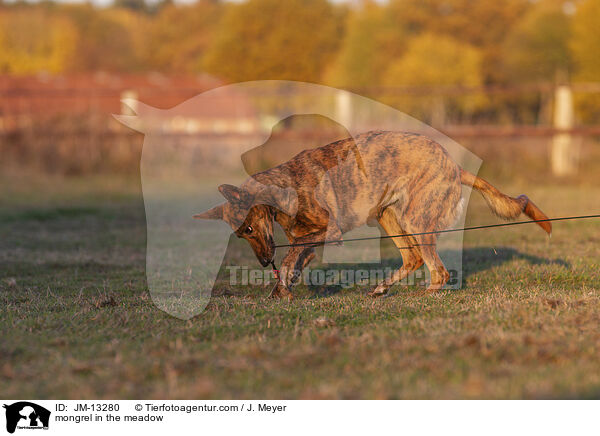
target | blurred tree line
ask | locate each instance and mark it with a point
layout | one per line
(399, 43)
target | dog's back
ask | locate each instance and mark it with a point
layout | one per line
(354, 178)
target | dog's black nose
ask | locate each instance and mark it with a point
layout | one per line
(264, 261)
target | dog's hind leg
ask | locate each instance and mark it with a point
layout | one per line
(411, 257)
(438, 272)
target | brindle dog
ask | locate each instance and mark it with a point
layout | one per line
(404, 181)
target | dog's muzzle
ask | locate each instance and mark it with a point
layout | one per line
(266, 260)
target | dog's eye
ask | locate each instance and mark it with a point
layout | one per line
(249, 230)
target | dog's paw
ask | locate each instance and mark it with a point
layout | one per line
(280, 292)
(377, 291)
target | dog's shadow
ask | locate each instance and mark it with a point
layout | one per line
(474, 260)
(477, 259)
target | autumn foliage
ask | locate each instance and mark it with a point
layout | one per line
(345, 44)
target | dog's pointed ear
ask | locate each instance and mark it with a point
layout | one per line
(232, 193)
(216, 213)
(284, 199)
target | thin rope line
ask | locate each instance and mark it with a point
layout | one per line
(487, 226)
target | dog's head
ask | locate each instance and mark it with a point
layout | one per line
(251, 212)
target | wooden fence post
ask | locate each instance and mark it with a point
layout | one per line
(343, 108)
(565, 153)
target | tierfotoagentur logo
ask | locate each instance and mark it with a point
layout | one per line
(345, 278)
(253, 160)
(25, 415)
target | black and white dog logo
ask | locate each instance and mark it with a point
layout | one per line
(26, 415)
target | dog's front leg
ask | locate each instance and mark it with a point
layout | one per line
(292, 265)
(290, 271)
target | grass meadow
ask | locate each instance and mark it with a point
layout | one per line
(77, 321)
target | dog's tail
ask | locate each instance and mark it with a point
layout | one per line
(504, 206)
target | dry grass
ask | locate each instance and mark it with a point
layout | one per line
(77, 321)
